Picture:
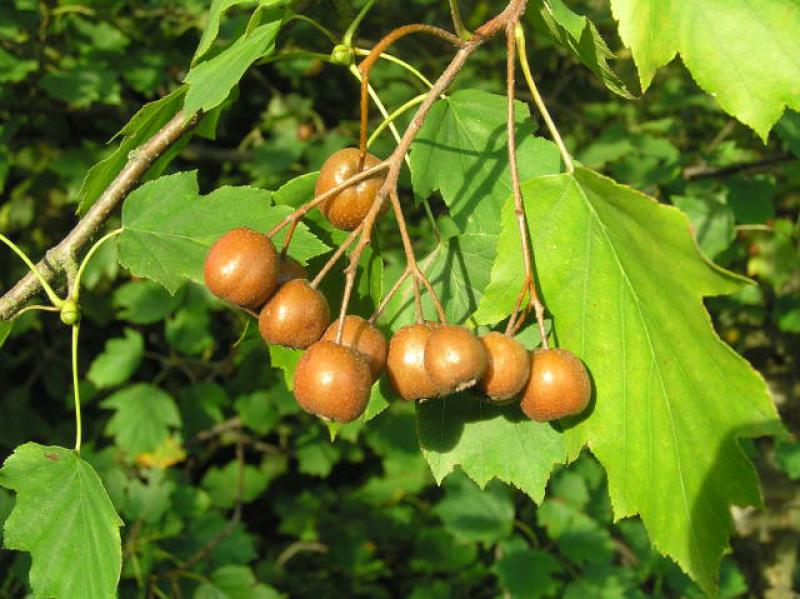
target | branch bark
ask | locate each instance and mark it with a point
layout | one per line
(57, 258)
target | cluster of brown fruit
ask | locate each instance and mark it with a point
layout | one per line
(430, 360)
(333, 379)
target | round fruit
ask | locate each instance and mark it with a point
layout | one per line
(364, 338)
(558, 386)
(508, 366)
(405, 363)
(291, 269)
(454, 359)
(242, 268)
(346, 209)
(296, 316)
(332, 381)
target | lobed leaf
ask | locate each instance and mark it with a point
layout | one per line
(169, 227)
(745, 54)
(624, 282)
(64, 518)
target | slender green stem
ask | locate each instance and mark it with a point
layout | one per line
(347, 39)
(54, 299)
(398, 61)
(458, 23)
(289, 54)
(321, 28)
(76, 329)
(36, 308)
(519, 35)
(88, 257)
(393, 116)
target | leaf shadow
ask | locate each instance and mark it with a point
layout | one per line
(441, 421)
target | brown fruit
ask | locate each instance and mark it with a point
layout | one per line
(291, 269)
(364, 338)
(296, 316)
(508, 366)
(454, 359)
(405, 363)
(242, 268)
(558, 386)
(346, 209)
(332, 381)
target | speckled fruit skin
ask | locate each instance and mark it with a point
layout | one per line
(296, 316)
(332, 381)
(454, 359)
(242, 268)
(508, 366)
(290, 269)
(405, 363)
(347, 209)
(558, 386)
(364, 338)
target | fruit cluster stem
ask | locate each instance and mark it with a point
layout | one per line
(300, 212)
(529, 284)
(375, 54)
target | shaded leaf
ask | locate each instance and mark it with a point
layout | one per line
(142, 418)
(488, 441)
(119, 360)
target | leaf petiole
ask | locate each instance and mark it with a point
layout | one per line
(89, 256)
(519, 36)
(347, 39)
(52, 296)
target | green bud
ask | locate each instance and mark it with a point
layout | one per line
(343, 55)
(70, 312)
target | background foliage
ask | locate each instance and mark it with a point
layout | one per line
(198, 440)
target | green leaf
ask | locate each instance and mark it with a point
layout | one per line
(211, 81)
(712, 221)
(119, 360)
(788, 129)
(169, 227)
(65, 520)
(461, 151)
(476, 515)
(189, 330)
(142, 419)
(144, 124)
(144, 302)
(235, 582)
(580, 36)
(624, 282)
(488, 441)
(216, 12)
(13, 69)
(788, 456)
(258, 412)
(529, 574)
(5, 330)
(81, 84)
(726, 47)
(222, 484)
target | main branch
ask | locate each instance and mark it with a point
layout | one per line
(58, 257)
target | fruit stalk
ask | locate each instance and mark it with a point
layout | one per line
(375, 54)
(529, 284)
(317, 200)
